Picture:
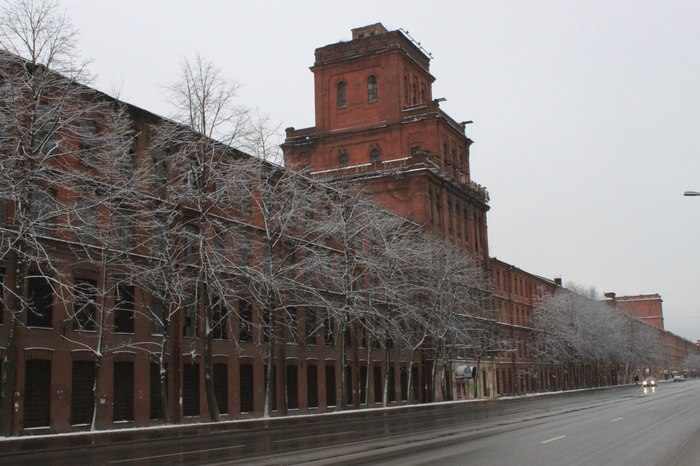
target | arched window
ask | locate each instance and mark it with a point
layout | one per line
(340, 89)
(343, 159)
(372, 88)
(374, 155)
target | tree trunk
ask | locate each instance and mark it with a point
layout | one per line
(410, 376)
(369, 367)
(342, 325)
(9, 366)
(163, 372)
(387, 365)
(434, 375)
(269, 358)
(208, 357)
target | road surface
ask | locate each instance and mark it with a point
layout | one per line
(622, 426)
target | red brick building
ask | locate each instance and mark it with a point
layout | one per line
(378, 126)
(645, 307)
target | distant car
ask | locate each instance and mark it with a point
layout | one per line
(678, 378)
(649, 382)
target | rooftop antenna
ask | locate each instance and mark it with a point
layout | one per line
(416, 43)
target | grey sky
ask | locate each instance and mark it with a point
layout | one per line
(586, 113)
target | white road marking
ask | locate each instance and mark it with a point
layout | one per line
(553, 439)
(312, 436)
(618, 419)
(177, 454)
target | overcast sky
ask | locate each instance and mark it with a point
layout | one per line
(586, 113)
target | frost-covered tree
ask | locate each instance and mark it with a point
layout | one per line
(44, 103)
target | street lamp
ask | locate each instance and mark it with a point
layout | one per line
(691, 193)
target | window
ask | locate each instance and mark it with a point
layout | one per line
(123, 391)
(330, 385)
(123, 230)
(348, 386)
(219, 325)
(449, 216)
(40, 296)
(124, 309)
(374, 155)
(191, 239)
(328, 330)
(465, 220)
(221, 386)
(84, 297)
(127, 161)
(311, 329)
(405, 87)
(244, 252)
(155, 394)
(188, 329)
(157, 315)
(312, 385)
(37, 393)
(343, 159)
(415, 384)
(291, 326)
(160, 167)
(391, 391)
(45, 127)
(245, 312)
(219, 246)
(372, 88)
(377, 383)
(42, 208)
(190, 389)
(363, 384)
(340, 93)
(273, 387)
(403, 376)
(292, 387)
(86, 211)
(89, 142)
(431, 211)
(246, 387)
(2, 299)
(82, 400)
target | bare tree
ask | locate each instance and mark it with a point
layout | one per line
(348, 223)
(573, 326)
(200, 154)
(44, 100)
(454, 288)
(106, 204)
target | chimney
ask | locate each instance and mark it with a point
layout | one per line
(557, 281)
(368, 31)
(610, 295)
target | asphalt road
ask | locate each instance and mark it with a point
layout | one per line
(623, 426)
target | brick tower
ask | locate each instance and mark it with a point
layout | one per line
(378, 124)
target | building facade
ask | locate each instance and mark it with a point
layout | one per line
(645, 307)
(378, 127)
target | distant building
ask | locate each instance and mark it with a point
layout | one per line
(645, 307)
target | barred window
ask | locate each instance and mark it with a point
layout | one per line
(340, 93)
(372, 88)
